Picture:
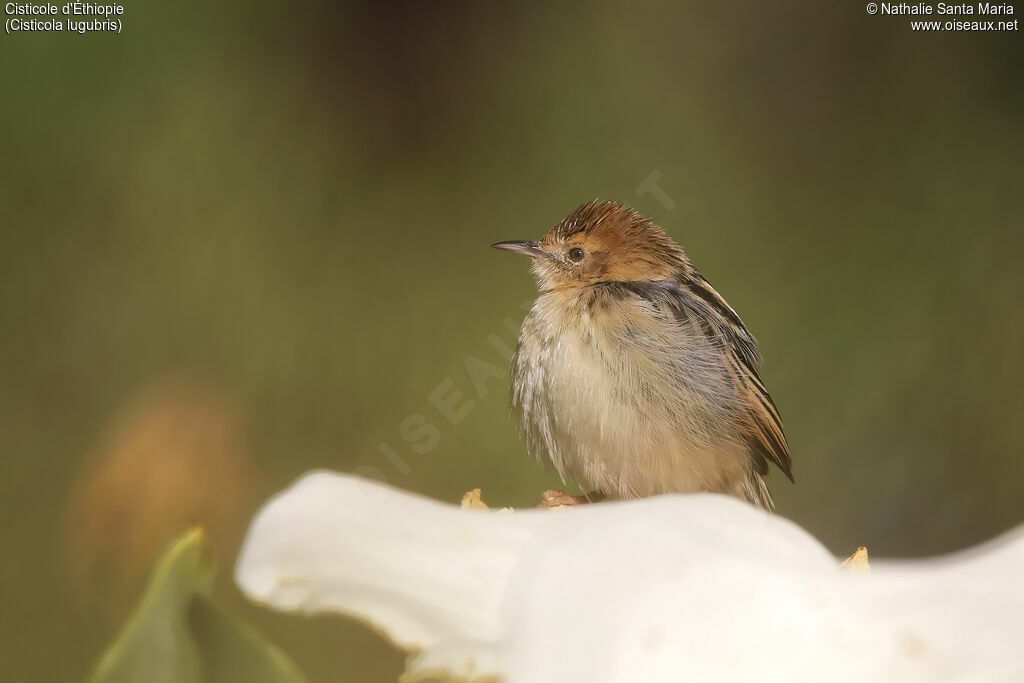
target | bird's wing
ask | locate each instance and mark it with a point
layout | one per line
(765, 435)
(721, 323)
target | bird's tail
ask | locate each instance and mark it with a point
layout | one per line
(755, 491)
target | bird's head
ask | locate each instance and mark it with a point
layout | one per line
(601, 242)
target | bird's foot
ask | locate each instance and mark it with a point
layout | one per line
(559, 499)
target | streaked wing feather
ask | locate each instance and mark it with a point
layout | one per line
(694, 300)
(767, 439)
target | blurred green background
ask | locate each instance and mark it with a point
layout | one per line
(245, 240)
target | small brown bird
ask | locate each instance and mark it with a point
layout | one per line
(633, 376)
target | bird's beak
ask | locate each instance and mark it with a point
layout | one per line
(531, 249)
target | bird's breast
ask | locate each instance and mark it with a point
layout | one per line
(606, 387)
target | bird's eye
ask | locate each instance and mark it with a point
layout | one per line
(576, 254)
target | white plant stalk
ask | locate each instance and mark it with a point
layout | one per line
(698, 587)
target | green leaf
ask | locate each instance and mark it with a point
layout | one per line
(233, 651)
(177, 635)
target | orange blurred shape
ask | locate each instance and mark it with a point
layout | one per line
(173, 457)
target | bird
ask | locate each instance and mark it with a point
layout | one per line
(632, 375)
